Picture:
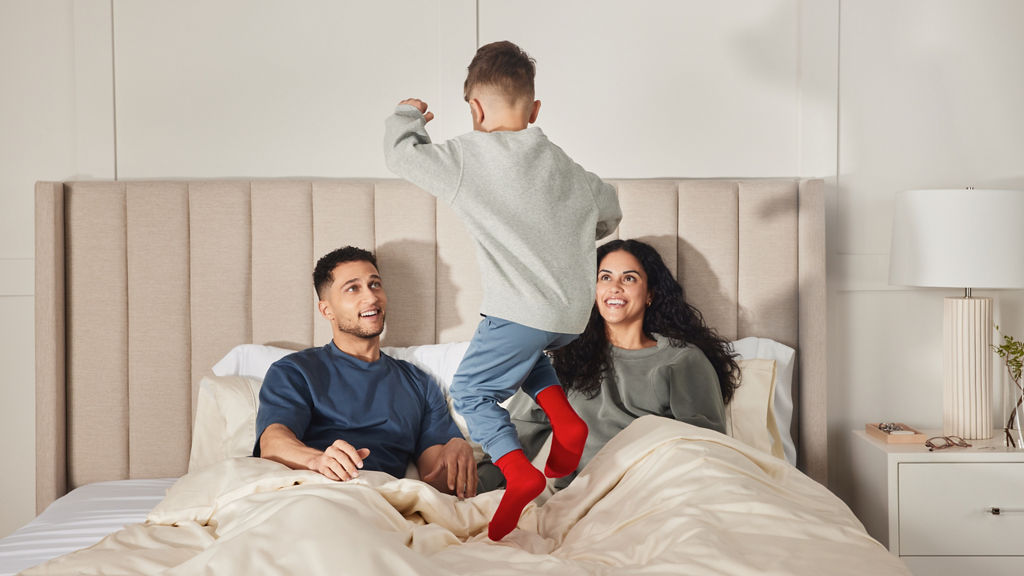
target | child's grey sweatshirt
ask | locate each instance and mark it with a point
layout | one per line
(533, 213)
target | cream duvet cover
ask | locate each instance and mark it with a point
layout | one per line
(662, 497)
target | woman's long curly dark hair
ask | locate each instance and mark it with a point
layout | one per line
(581, 364)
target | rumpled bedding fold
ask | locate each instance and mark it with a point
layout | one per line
(661, 497)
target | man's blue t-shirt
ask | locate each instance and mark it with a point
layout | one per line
(389, 406)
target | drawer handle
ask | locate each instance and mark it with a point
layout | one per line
(996, 510)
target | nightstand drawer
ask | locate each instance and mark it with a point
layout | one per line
(945, 509)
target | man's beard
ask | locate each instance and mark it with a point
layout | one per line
(357, 331)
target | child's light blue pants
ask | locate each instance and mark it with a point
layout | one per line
(502, 357)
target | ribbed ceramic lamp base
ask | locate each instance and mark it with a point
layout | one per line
(967, 367)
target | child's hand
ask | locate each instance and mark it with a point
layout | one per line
(421, 106)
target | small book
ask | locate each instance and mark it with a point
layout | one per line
(895, 433)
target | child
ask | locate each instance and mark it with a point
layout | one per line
(534, 215)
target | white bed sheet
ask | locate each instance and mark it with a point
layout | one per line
(79, 519)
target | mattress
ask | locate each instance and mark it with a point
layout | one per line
(79, 519)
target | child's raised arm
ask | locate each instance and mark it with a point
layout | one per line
(419, 105)
(410, 154)
(609, 214)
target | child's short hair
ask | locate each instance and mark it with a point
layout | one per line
(504, 66)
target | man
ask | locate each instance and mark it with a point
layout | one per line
(346, 406)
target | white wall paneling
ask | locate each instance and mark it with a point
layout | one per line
(17, 417)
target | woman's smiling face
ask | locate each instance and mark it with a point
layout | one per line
(622, 291)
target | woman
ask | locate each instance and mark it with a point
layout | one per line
(644, 351)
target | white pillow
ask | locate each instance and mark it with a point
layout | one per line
(225, 425)
(249, 360)
(749, 417)
(782, 400)
(439, 360)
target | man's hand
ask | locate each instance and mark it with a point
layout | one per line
(450, 468)
(421, 106)
(340, 461)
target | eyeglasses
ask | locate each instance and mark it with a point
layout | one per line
(943, 442)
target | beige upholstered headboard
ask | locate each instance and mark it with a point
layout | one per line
(142, 286)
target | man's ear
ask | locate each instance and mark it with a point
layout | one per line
(535, 112)
(325, 309)
(477, 110)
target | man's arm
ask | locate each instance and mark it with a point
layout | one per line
(450, 468)
(445, 459)
(283, 416)
(340, 461)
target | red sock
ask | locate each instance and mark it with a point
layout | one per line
(568, 432)
(523, 483)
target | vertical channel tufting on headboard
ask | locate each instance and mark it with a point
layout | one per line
(51, 371)
(220, 272)
(342, 216)
(282, 248)
(767, 283)
(97, 331)
(709, 251)
(459, 287)
(142, 286)
(405, 222)
(159, 355)
(812, 356)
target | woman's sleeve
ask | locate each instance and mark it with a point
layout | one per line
(694, 394)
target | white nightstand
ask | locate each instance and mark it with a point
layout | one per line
(958, 511)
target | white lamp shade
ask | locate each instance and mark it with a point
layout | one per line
(958, 239)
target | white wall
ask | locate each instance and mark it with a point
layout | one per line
(663, 87)
(930, 95)
(874, 96)
(268, 88)
(55, 123)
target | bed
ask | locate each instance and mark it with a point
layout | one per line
(143, 286)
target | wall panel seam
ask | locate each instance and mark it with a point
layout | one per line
(128, 332)
(188, 300)
(113, 81)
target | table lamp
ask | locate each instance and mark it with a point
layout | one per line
(966, 239)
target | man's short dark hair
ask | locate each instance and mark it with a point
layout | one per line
(323, 273)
